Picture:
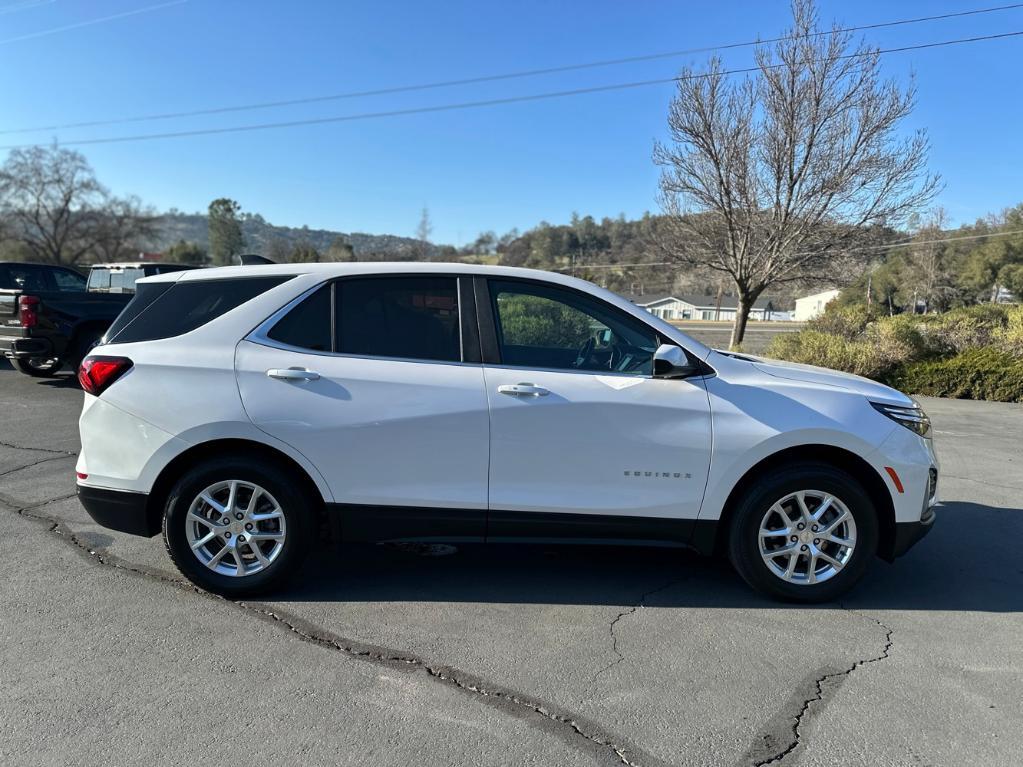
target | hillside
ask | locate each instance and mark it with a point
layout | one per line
(259, 233)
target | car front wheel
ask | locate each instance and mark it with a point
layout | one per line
(804, 533)
(237, 527)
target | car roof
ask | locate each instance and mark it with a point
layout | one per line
(331, 270)
(325, 271)
(143, 264)
(39, 264)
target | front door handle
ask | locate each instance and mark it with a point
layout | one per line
(292, 374)
(523, 390)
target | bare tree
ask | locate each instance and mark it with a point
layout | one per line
(124, 226)
(768, 178)
(50, 200)
(423, 231)
(930, 274)
(277, 250)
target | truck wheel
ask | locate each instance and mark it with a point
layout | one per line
(38, 368)
(82, 345)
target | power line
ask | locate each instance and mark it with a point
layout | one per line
(485, 102)
(493, 78)
(889, 246)
(24, 5)
(90, 22)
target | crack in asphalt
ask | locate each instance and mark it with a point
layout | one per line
(36, 463)
(640, 603)
(819, 692)
(35, 449)
(572, 729)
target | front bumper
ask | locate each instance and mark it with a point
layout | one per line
(120, 510)
(908, 533)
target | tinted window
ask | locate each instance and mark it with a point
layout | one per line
(184, 306)
(68, 281)
(408, 317)
(308, 324)
(28, 278)
(542, 327)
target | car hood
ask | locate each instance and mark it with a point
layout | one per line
(811, 374)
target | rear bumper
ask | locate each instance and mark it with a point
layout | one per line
(908, 533)
(27, 348)
(120, 510)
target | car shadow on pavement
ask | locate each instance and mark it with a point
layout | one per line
(968, 562)
(66, 378)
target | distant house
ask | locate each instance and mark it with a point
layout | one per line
(690, 307)
(1005, 296)
(810, 307)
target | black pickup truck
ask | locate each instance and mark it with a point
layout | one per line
(49, 319)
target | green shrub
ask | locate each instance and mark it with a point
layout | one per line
(847, 322)
(872, 351)
(1010, 337)
(986, 373)
(812, 347)
(957, 331)
(974, 352)
(898, 339)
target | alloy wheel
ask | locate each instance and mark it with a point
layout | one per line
(807, 537)
(235, 528)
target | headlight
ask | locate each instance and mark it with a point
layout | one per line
(912, 417)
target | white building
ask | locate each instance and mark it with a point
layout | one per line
(810, 307)
(689, 307)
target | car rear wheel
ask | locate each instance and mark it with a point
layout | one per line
(38, 368)
(805, 533)
(237, 527)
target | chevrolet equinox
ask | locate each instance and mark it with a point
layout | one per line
(243, 410)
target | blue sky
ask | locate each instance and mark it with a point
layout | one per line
(494, 168)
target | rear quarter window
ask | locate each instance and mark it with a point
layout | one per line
(165, 310)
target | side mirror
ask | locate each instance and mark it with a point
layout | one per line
(671, 362)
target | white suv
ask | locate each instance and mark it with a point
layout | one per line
(246, 410)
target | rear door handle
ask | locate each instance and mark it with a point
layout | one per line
(292, 374)
(523, 390)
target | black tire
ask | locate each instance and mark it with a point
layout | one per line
(297, 508)
(744, 533)
(38, 368)
(83, 344)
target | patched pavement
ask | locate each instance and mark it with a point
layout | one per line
(504, 655)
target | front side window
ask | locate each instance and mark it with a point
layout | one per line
(404, 317)
(546, 327)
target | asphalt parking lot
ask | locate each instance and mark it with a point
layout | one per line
(504, 656)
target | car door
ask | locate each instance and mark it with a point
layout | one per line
(578, 424)
(389, 406)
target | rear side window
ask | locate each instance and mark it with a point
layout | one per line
(308, 325)
(183, 307)
(405, 317)
(67, 281)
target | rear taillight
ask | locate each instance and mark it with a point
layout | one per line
(28, 310)
(95, 374)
